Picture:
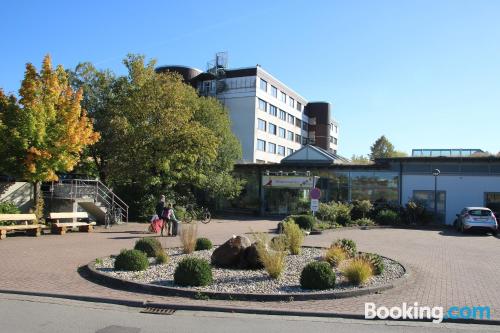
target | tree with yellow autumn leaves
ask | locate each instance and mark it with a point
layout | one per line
(43, 132)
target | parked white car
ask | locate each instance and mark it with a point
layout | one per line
(476, 218)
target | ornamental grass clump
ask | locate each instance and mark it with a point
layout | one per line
(194, 272)
(348, 245)
(375, 261)
(358, 271)
(162, 258)
(294, 237)
(273, 260)
(149, 245)
(189, 233)
(317, 275)
(335, 255)
(203, 244)
(131, 260)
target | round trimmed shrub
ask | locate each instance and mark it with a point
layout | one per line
(193, 272)
(305, 222)
(348, 245)
(203, 244)
(317, 275)
(149, 245)
(131, 260)
(387, 217)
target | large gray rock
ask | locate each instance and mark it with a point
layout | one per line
(250, 258)
(229, 254)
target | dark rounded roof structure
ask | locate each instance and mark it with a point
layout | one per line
(188, 73)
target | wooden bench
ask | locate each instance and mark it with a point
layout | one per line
(32, 229)
(82, 222)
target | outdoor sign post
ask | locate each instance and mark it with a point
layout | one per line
(315, 194)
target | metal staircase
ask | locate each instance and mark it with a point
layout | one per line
(92, 195)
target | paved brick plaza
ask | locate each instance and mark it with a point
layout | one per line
(446, 268)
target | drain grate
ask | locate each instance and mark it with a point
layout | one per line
(161, 311)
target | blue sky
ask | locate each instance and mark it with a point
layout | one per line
(424, 73)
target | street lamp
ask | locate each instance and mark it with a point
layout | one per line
(435, 173)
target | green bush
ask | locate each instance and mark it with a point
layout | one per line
(317, 275)
(335, 255)
(193, 272)
(348, 245)
(277, 242)
(149, 245)
(387, 217)
(335, 212)
(364, 222)
(7, 207)
(162, 258)
(361, 209)
(342, 213)
(375, 261)
(131, 260)
(358, 271)
(203, 244)
(305, 222)
(326, 212)
(294, 237)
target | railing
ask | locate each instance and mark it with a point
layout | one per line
(89, 189)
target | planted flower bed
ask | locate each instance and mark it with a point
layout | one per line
(238, 280)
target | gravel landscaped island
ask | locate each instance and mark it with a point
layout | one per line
(248, 281)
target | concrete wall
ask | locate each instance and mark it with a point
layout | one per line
(461, 191)
(20, 193)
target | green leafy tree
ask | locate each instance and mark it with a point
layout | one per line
(158, 136)
(97, 86)
(44, 132)
(382, 148)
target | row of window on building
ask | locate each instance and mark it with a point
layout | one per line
(280, 131)
(282, 96)
(272, 148)
(273, 111)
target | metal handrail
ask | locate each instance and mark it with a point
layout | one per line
(99, 193)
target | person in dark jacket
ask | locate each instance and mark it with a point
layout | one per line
(160, 206)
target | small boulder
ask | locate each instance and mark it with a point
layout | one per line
(229, 254)
(250, 258)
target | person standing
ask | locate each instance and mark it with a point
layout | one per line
(160, 206)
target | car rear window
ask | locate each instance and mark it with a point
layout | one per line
(479, 212)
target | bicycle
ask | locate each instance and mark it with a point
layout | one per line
(201, 214)
(112, 216)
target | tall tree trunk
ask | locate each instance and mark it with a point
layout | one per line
(38, 200)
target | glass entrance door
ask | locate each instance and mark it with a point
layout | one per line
(427, 198)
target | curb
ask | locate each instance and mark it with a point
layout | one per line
(211, 308)
(147, 288)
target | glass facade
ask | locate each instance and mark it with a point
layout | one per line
(335, 185)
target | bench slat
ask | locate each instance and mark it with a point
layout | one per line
(73, 224)
(69, 215)
(17, 217)
(22, 227)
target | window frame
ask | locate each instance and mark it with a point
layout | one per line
(264, 143)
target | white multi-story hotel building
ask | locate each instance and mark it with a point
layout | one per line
(270, 119)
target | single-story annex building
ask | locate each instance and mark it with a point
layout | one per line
(283, 187)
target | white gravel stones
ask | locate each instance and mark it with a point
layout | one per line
(247, 281)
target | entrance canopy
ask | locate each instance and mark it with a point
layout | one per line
(313, 155)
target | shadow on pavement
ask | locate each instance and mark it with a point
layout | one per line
(454, 233)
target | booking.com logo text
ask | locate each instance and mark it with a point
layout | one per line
(416, 312)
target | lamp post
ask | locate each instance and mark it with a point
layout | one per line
(435, 173)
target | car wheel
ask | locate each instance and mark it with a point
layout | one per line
(494, 232)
